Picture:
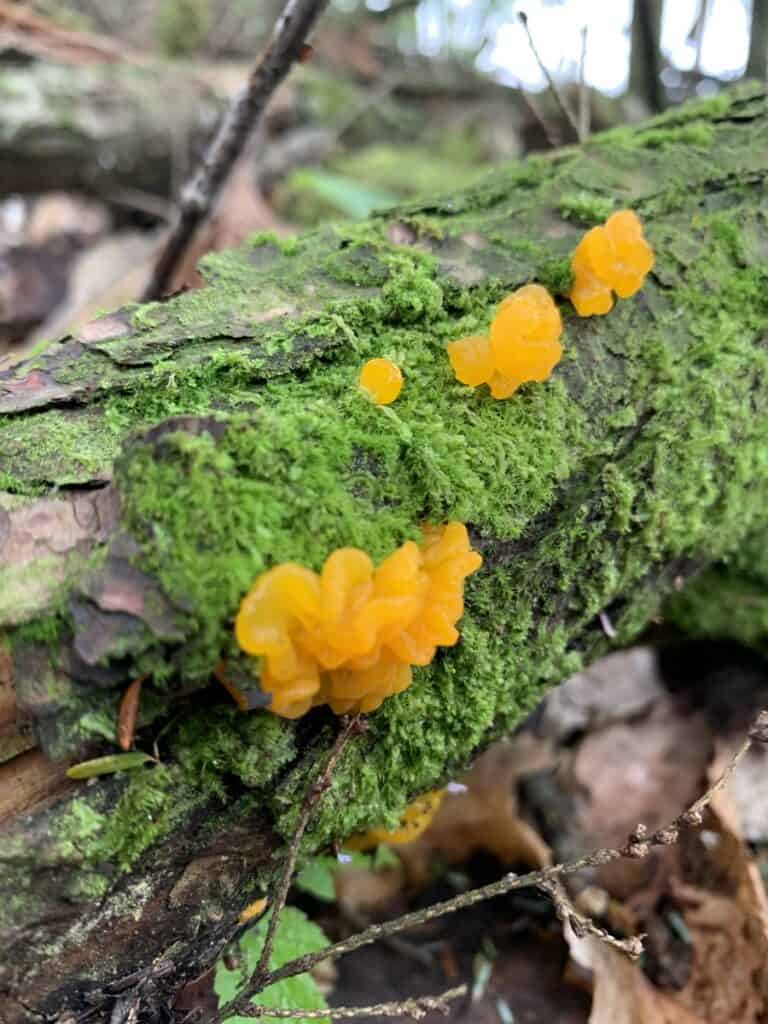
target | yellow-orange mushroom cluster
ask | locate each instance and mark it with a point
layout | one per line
(523, 344)
(613, 257)
(349, 636)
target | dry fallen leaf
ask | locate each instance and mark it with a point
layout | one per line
(621, 992)
(487, 815)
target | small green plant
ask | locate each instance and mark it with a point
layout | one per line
(295, 936)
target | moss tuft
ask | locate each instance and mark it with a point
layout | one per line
(585, 208)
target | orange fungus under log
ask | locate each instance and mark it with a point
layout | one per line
(416, 819)
(613, 257)
(348, 636)
(523, 344)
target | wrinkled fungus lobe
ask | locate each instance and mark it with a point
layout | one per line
(523, 344)
(613, 257)
(381, 380)
(416, 819)
(349, 636)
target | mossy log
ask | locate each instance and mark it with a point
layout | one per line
(154, 464)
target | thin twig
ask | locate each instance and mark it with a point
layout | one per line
(584, 111)
(559, 98)
(350, 727)
(285, 47)
(417, 1007)
(639, 845)
(582, 925)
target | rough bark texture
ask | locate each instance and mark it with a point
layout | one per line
(154, 464)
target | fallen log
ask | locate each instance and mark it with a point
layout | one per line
(154, 464)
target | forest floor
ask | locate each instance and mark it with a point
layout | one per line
(634, 739)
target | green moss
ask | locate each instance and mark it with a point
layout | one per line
(585, 208)
(150, 801)
(411, 293)
(408, 170)
(648, 445)
(694, 133)
(11, 484)
(556, 275)
(46, 631)
(728, 601)
(213, 744)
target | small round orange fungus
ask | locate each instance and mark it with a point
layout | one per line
(523, 344)
(613, 257)
(416, 819)
(382, 380)
(349, 636)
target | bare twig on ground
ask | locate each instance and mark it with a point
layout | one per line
(197, 197)
(639, 845)
(417, 1007)
(584, 111)
(582, 925)
(350, 727)
(559, 98)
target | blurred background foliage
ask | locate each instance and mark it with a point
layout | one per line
(399, 99)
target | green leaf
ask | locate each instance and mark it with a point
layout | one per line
(109, 764)
(347, 195)
(385, 857)
(317, 878)
(295, 936)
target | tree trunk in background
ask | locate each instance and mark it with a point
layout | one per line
(757, 62)
(153, 465)
(645, 55)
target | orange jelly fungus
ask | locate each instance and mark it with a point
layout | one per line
(349, 636)
(382, 380)
(523, 344)
(252, 911)
(613, 257)
(416, 819)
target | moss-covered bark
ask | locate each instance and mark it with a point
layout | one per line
(222, 431)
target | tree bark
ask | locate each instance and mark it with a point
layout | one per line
(154, 464)
(757, 61)
(645, 54)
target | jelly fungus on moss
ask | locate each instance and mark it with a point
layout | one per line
(349, 636)
(416, 819)
(523, 344)
(613, 257)
(382, 381)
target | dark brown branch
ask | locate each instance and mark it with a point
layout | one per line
(639, 844)
(350, 727)
(559, 98)
(199, 194)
